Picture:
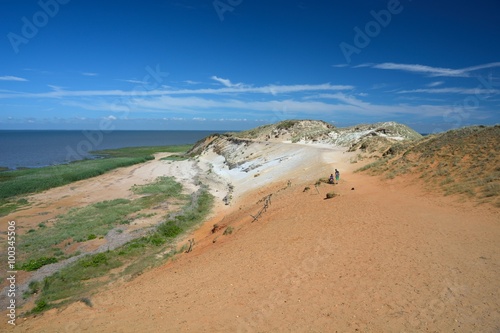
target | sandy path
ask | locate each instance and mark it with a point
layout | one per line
(385, 257)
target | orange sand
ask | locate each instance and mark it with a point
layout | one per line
(384, 257)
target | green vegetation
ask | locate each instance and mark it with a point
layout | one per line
(40, 306)
(7, 206)
(229, 230)
(330, 195)
(20, 182)
(175, 158)
(24, 181)
(165, 186)
(33, 288)
(35, 264)
(142, 151)
(287, 124)
(80, 279)
(463, 161)
(82, 224)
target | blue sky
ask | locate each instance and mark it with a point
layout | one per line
(236, 64)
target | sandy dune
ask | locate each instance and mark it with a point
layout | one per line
(384, 257)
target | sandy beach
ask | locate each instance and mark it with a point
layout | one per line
(382, 256)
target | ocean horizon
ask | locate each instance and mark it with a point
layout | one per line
(39, 148)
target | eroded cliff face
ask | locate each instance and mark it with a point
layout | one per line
(367, 138)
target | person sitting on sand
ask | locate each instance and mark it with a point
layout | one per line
(331, 179)
(337, 175)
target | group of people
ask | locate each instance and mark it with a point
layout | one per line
(335, 180)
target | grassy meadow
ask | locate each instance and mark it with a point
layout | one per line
(16, 183)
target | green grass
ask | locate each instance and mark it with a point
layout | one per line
(163, 185)
(175, 158)
(287, 124)
(35, 264)
(9, 206)
(142, 151)
(374, 166)
(78, 279)
(458, 162)
(18, 182)
(93, 221)
(76, 226)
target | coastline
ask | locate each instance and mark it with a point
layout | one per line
(40, 148)
(384, 253)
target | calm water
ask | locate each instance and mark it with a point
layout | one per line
(42, 148)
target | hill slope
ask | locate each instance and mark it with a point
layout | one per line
(464, 161)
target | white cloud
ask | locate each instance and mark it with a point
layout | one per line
(363, 65)
(432, 71)
(451, 90)
(90, 74)
(12, 78)
(340, 65)
(435, 84)
(131, 94)
(191, 82)
(133, 81)
(226, 82)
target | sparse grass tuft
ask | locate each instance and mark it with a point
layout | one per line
(40, 306)
(228, 231)
(331, 195)
(35, 264)
(86, 301)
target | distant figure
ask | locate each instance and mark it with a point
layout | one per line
(337, 175)
(331, 181)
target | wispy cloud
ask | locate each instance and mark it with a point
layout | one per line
(453, 90)
(435, 84)
(423, 69)
(315, 105)
(133, 81)
(12, 78)
(432, 71)
(269, 89)
(226, 82)
(90, 74)
(191, 82)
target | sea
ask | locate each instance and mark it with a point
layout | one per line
(33, 149)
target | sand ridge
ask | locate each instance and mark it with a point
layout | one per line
(386, 256)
